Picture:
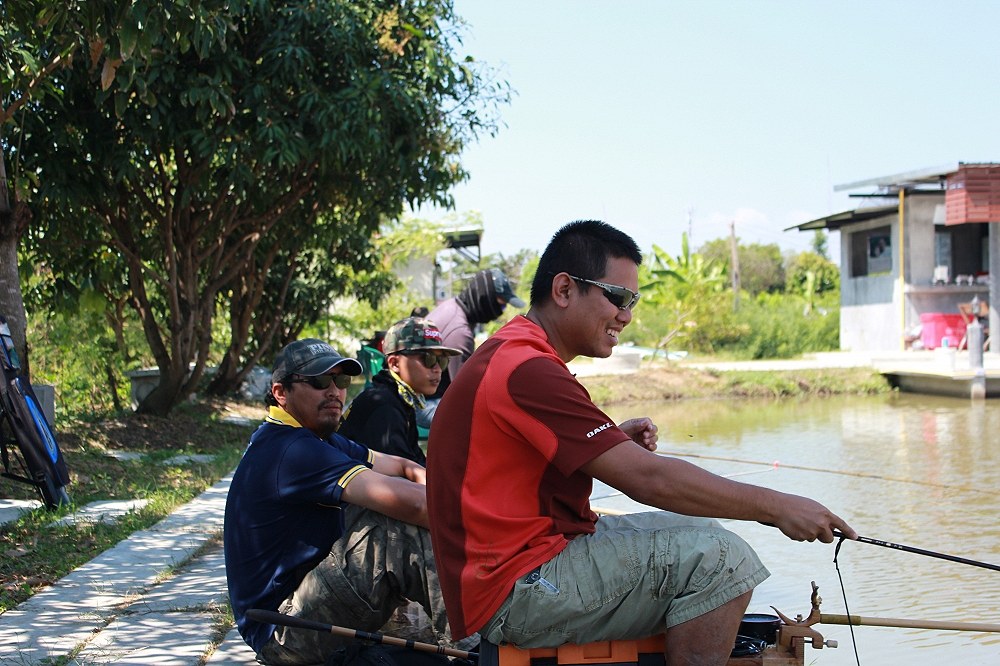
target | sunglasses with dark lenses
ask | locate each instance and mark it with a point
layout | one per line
(322, 382)
(429, 359)
(622, 298)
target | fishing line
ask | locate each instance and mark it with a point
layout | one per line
(895, 546)
(863, 475)
(843, 591)
(725, 476)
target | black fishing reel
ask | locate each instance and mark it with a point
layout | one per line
(748, 646)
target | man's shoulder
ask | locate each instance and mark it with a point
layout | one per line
(382, 387)
(374, 398)
(447, 306)
(523, 337)
(273, 440)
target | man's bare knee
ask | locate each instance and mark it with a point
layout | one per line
(706, 640)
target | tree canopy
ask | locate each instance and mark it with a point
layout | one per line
(245, 164)
(761, 268)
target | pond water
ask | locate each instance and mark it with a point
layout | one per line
(909, 469)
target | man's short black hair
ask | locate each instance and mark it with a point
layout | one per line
(582, 249)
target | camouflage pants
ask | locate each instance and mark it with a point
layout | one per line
(379, 565)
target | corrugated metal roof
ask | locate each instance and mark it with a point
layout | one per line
(838, 220)
(921, 181)
(928, 176)
(907, 179)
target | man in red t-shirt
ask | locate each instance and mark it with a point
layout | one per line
(514, 450)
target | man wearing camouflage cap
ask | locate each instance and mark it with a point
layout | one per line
(299, 491)
(384, 415)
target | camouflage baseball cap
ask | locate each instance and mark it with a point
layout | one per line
(310, 357)
(414, 333)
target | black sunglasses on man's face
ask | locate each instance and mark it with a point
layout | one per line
(322, 382)
(622, 298)
(429, 359)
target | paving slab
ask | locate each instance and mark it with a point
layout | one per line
(32, 637)
(232, 652)
(11, 509)
(237, 420)
(199, 585)
(102, 511)
(204, 513)
(188, 459)
(125, 456)
(162, 639)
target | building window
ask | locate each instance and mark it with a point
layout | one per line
(942, 256)
(871, 252)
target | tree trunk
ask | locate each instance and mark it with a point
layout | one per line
(165, 396)
(245, 314)
(11, 299)
(113, 387)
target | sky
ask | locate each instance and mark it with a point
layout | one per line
(670, 117)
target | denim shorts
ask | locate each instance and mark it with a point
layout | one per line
(637, 575)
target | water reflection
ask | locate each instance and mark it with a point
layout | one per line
(909, 469)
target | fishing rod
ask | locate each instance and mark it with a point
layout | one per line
(823, 470)
(271, 617)
(920, 551)
(901, 623)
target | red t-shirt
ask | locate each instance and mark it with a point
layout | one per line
(505, 492)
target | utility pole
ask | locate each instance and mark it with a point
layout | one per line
(734, 270)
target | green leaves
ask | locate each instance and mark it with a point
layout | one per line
(225, 149)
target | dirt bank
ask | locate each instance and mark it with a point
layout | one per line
(675, 382)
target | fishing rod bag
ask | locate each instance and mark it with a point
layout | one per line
(28, 445)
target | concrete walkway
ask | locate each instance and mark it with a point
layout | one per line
(155, 598)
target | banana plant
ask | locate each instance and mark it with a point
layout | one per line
(682, 291)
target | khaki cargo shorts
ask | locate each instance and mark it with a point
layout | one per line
(635, 576)
(378, 566)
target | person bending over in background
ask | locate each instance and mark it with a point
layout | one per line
(482, 300)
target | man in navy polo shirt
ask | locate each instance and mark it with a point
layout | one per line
(298, 489)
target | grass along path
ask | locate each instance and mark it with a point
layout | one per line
(164, 461)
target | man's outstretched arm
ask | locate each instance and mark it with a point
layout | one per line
(676, 485)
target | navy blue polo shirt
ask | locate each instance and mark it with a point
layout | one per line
(283, 514)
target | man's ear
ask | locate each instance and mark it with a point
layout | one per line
(562, 285)
(278, 392)
(392, 362)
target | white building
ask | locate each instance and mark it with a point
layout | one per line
(918, 246)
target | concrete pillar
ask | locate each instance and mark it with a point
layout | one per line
(974, 339)
(994, 243)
